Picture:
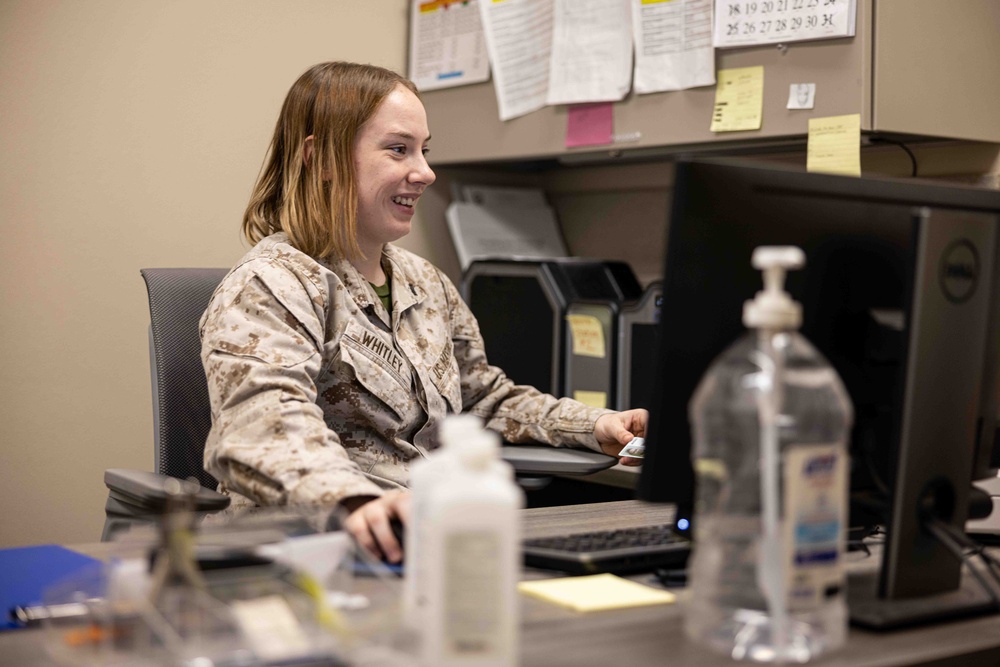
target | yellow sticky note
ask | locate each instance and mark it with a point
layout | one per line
(739, 99)
(595, 593)
(711, 468)
(595, 399)
(270, 627)
(587, 334)
(835, 145)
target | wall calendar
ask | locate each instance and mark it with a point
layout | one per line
(754, 22)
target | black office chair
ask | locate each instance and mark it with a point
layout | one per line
(182, 416)
(181, 412)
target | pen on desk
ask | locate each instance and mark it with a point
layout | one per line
(668, 578)
(32, 615)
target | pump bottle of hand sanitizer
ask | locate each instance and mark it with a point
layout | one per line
(771, 421)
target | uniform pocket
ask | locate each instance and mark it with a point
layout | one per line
(378, 367)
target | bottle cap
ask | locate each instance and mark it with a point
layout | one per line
(773, 308)
(455, 429)
(479, 450)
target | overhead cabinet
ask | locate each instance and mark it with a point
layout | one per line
(917, 68)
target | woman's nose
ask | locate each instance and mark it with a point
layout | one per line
(422, 172)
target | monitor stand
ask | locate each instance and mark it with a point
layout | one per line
(867, 610)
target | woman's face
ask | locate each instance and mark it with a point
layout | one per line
(390, 170)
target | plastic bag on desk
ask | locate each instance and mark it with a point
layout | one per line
(358, 597)
(363, 596)
(246, 616)
(177, 596)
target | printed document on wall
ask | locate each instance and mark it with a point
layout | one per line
(673, 44)
(519, 42)
(591, 51)
(447, 44)
(751, 22)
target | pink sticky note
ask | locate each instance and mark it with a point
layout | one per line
(589, 124)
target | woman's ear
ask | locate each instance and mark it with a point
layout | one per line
(307, 150)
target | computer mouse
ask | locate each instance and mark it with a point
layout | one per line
(399, 531)
(363, 565)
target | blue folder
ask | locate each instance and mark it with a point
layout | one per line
(25, 573)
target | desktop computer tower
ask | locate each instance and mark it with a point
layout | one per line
(609, 350)
(638, 332)
(521, 306)
(590, 351)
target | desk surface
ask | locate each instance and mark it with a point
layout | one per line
(655, 635)
(553, 636)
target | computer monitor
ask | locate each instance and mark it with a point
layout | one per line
(899, 293)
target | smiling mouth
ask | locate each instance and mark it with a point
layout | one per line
(405, 201)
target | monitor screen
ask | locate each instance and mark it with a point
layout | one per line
(868, 306)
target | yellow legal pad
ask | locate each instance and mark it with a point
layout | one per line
(595, 593)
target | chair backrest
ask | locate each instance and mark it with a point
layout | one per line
(181, 411)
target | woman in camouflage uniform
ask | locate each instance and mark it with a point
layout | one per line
(332, 355)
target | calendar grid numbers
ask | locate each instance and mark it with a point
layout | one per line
(751, 22)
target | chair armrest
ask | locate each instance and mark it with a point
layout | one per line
(546, 460)
(147, 490)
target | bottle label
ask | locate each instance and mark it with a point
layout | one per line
(472, 615)
(815, 517)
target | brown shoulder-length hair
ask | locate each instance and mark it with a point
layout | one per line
(314, 201)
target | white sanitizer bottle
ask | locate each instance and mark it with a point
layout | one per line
(425, 475)
(466, 523)
(771, 421)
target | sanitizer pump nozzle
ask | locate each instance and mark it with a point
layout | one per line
(773, 308)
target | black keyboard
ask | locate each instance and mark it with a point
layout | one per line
(618, 551)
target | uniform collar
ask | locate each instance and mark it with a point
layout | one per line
(406, 292)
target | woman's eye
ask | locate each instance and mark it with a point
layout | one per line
(425, 150)
(399, 150)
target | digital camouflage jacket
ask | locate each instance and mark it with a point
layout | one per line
(318, 394)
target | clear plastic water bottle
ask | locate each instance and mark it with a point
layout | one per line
(771, 421)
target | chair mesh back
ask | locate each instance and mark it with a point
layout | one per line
(177, 299)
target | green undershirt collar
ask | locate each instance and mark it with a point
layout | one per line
(384, 294)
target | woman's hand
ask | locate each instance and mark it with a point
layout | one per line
(369, 522)
(616, 429)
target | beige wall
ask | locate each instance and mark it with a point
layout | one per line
(131, 132)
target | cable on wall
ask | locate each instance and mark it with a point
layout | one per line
(913, 158)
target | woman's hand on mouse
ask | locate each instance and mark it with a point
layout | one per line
(370, 520)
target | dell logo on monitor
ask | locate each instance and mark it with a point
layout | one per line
(959, 272)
